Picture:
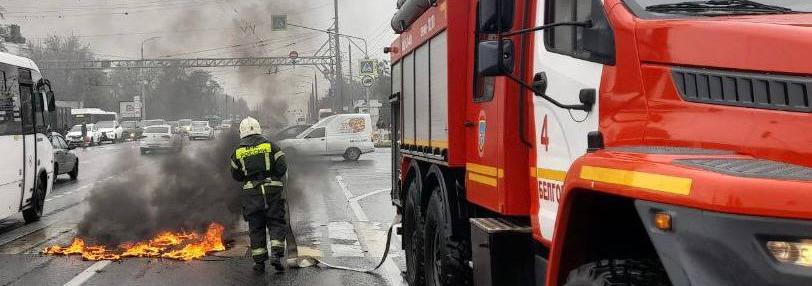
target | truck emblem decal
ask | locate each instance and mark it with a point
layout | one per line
(483, 126)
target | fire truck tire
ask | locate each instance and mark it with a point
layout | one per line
(34, 212)
(413, 236)
(443, 259)
(619, 272)
(74, 174)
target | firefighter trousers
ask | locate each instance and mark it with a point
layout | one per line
(264, 208)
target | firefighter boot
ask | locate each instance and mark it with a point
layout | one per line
(259, 267)
(278, 251)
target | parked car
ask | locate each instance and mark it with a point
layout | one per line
(200, 130)
(65, 162)
(160, 138)
(185, 125)
(289, 132)
(110, 131)
(226, 124)
(74, 136)
(131, 130)
(349, 135)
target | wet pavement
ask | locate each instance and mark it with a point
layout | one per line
(340, 212)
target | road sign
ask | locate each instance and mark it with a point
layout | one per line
(130, 109)
(369, 68)
(279, 22)
(367, 81)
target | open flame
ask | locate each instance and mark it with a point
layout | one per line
(173, 245)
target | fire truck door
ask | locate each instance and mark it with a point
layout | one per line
(483, 128)
(561, 134)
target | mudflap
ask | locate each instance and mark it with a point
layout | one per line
(501, 252)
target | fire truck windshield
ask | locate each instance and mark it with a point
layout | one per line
(660, 8)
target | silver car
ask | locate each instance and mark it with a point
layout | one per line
(160, 138)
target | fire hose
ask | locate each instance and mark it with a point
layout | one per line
(291, 247)
(307, 261)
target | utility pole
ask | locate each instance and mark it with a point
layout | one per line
(349, 50)
(339, 71)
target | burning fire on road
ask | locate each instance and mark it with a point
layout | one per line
(172, 245)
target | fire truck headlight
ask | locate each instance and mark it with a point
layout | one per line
(789, 252)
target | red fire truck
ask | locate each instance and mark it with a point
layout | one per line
(603, 142)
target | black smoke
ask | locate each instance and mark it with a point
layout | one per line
(186, 191)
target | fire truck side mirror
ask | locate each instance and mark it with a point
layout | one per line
(495, 58)
(495, 16)
(598, 38)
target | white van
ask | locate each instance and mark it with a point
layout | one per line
(27, 168)
(349, 135)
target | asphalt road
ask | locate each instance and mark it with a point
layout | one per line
(340, 212)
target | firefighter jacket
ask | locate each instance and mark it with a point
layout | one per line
(257, 162)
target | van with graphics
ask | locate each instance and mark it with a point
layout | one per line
(348, 135)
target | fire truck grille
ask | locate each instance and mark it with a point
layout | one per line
(751, 168)
(754, 90)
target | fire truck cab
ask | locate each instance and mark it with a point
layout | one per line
(603, 142)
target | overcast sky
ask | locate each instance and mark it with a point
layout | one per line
(206, 28)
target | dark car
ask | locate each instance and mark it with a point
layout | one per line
(289, 132)
(65, 162)
(131, 130)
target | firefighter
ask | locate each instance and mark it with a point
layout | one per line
(260, 166)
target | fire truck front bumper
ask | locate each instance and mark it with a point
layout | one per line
(711, 248)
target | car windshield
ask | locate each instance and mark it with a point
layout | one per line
(157, 129)
(129, 124)
(721, 7)
(198, 128)
(200, 124)
(106, 124)
(185, 122)
(226, 122)
(76, 128)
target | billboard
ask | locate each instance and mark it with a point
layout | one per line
(130, 109)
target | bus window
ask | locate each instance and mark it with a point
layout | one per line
(9, 105)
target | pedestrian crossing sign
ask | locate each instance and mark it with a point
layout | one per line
(369, 68)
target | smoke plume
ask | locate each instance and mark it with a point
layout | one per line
(186, 191)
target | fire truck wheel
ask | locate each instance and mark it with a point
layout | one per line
(34, 213)
(443, 256)
(619, 272)
(413, 236)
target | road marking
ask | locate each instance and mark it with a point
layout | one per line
(390, 269)
(361, 197)
(82, 277)
(356, 208)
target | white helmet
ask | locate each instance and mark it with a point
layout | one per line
(249, 126)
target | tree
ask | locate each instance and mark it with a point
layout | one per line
(88, 86)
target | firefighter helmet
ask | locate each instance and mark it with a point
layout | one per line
(249, 126)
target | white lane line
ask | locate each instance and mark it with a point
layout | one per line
(356, 208)
(361, 197)
(82, 277)
(391, 270)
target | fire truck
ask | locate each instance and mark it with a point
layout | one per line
(603, 142)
